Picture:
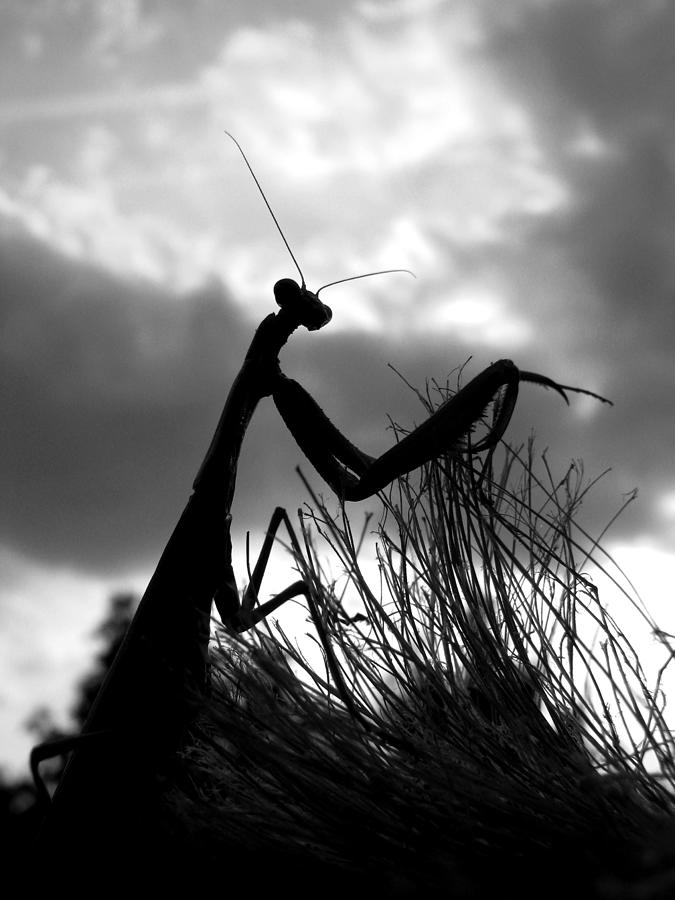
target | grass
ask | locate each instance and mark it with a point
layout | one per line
(478, 725)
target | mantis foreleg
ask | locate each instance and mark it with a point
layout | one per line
(354, 475)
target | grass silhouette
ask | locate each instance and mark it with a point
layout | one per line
(481, 727)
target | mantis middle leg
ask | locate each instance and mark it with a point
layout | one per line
(242, 615)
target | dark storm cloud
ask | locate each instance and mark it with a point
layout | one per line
(596, 71)
(606, 70)
(108, 387)
(612, 62)
(110, 392)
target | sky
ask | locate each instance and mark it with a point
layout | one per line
(517, 156)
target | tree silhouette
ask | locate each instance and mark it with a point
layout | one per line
(20, 814)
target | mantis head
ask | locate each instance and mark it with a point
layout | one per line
(302, 304)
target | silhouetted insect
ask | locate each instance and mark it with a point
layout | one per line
(149, 695)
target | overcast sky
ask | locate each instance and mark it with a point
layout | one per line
(518, 156)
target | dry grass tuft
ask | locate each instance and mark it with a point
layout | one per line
(487, 729)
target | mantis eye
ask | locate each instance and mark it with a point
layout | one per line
(286, 291)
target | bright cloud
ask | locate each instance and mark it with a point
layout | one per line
(48, 616)
(365, 131)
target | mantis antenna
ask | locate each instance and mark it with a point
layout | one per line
(366, 275)
(283, 236)
(262, 194)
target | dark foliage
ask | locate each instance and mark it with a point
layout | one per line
(20, 813)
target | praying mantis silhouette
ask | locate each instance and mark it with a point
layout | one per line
(147, 700)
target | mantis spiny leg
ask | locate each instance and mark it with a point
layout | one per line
(354, 475)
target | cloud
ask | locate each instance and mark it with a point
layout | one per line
(593, 79)
(111, 389)
(107, 386)
(526, 243)
(520, 161)
(140, 178)
(48, 617)
(586, 62)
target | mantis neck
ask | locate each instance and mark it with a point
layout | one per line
(216, 479)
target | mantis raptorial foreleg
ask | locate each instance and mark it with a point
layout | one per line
(353, 475)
